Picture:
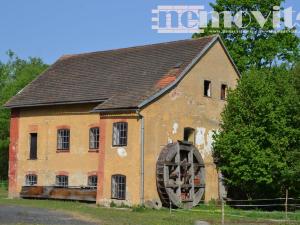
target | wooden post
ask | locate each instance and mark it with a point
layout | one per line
(223, 212)
(286, 203)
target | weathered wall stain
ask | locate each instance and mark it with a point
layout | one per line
(189, 109)
(200, 136)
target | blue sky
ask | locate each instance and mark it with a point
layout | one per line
(51, 28)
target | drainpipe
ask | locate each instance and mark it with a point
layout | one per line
(142, 151)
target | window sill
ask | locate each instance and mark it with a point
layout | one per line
(207, 96)
(33, 159)
(94, 150)
(62, 151)
(119, 199)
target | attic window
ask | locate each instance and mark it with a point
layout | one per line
(207, 88)
(223, 92)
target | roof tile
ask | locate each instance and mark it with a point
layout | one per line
(121, 78)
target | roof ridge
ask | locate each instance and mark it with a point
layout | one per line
(68, 56)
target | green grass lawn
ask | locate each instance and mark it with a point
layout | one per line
(141, 216)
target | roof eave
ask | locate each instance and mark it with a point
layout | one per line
(116, 110)
(52, 104)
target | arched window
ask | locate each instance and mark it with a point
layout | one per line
(31, 179)
(120, 132)
(62, 181)
(189, 134)
(94, 138)
(92, 181)
(118, 187)
(63, 139)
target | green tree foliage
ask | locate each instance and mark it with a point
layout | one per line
(255, 47)
(15, 74)
(258, 146)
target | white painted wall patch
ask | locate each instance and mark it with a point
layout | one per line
(122, 152)
(200, 138)
(210, 139)
(175, 128)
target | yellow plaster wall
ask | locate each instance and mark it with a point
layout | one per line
(78, 162)
(122, 160)
(186, 106)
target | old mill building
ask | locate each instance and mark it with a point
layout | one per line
(130, 125)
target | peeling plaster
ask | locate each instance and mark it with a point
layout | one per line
(122, 152)
(204, 142)
(174, 94)
(200, 138)
(175, 128)
(209, 138)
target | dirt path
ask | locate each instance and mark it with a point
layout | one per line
(29, 215)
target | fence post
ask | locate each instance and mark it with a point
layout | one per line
(286, 203)
(223, 212)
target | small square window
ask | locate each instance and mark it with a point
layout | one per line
(120, 131)
(63, 139)
(207, 88)
(223, 92)
(62, 181)
(92, 181)
(118, 187)
(189, 134)
(94, 138)
(31, 180)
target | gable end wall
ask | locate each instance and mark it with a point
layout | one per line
(186, 106)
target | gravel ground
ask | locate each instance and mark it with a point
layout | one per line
(28, 215)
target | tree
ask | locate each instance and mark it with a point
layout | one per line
(258, 146)
(255, 47)
(14, 75)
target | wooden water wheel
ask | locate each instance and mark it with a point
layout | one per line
(180, 175)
